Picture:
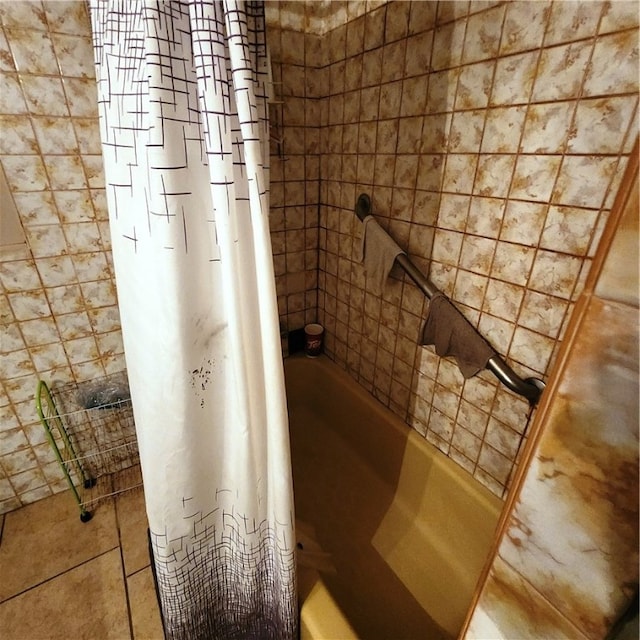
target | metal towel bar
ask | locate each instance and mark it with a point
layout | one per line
(530, 388)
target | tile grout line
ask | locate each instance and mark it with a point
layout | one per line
(123, 570)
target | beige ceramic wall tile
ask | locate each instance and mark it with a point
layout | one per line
(614, 65)
(572, 21)
(561, 70)
(601, 125)
(496, 331)
(32, 51)
(482, 38)
(67, 17)
(36, 208)
(25, 173)
(542, 313)
(17, 136)
(534, 177)
(524, 26)
(547, 128)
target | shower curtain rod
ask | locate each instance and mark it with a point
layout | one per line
(530, 388)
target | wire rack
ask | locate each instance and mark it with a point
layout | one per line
(91, 430)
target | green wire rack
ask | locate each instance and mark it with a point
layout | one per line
(93, 438)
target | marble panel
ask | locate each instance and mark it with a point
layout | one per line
(511, 608)
(573, 532)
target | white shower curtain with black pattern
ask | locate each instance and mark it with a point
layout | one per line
(183, 116)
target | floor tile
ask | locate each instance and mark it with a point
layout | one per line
(132, 521)
(46, 538)
(86, 602)
(143, 601)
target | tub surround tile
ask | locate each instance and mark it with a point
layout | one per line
(524, 26)
(77, 205)
(553, 272)
(568, 229)
(482, 38)
(46, 241)
(584, 180)
(495, 464)
(514, 79)
(534, 177)
(602, 124)
(29, 305)
(6, 59)
(11, 338)
(512, 263)
(543, 314)
(27, 482)
(494, 175)
(88, 135)
(55, 135)
(547, 128)
(17, 276)
(19, 389)
(496, 332)
(65, 172)
(614, 63)
(561, 70)
(82, 97)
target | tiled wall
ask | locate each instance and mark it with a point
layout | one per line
(492, 138)
(295, 173)
(58, 300)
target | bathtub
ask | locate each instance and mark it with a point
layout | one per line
(392, 535)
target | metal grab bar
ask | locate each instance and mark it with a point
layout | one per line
(530, 388)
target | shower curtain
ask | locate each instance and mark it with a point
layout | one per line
(182, 88)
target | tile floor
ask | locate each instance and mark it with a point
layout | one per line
(61, 578)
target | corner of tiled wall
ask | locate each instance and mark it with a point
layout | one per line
(491, 137)
(58, 303)
(295, 161)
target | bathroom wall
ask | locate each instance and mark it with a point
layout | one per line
(538, 99)
(568, 546)
(58, 299)
(492, 138)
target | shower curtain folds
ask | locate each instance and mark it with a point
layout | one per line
(183, 120)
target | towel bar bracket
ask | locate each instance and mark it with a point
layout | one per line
(530, 388)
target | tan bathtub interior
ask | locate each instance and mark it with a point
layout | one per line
(385, 508)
